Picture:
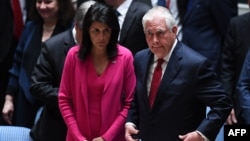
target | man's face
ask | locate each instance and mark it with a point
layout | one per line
(159, 38)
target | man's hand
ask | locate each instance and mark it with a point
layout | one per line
(192, 136)
(231, 119)
(130, 131)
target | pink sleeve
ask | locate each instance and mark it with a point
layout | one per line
(128, 88)
(65, 99)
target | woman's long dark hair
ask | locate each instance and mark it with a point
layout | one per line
(103, 13)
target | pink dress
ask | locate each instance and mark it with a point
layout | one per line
(95, 85)
(94, 105)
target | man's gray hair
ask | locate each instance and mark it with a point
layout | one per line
(81, 11)
(159, 11)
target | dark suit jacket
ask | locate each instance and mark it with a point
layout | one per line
(45, 81)
(204, 26)
(189, 85)
(243, 88)
(132, 34)
(8, 44)
(148, 2)
(18, 83)
(235, 48)
(25, 58)
(7, 47)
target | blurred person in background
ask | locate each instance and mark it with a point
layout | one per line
(46, 77)
(243, 91)
(47, 19)
(130, 13)
(11, 26)
(235, 49)
(204, 26)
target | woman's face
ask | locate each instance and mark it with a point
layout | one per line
(100, 35)
(48, 9)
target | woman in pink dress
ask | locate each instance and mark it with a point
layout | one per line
(98, 81)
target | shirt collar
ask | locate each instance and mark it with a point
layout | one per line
(123, 8)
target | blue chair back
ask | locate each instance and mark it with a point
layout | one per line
(14, 133)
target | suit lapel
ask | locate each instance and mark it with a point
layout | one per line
(68, 41)
(130, 17)
(146, 60)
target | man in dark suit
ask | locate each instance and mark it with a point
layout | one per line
(243, 89)
(7, 48)
(46, 77)
(234, 51)
(130, 15)
(204, 26)
(187, 85)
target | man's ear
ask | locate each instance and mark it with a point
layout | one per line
(175, 29)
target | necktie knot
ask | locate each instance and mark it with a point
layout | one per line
(159, 62)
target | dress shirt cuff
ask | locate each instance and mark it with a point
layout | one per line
(130, 123)
(203, 136)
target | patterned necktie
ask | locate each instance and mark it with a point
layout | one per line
(156, 79)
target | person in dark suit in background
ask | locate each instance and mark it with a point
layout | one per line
(48, 19)
(46, 77)
(235, 48)
(204, 26)
(243, 89)
(148, 2)
(175, 109)
(8, 42)
(130, 15)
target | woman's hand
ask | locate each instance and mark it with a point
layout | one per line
(8, 109)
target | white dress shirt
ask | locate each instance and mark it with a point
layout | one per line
(123, 9)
